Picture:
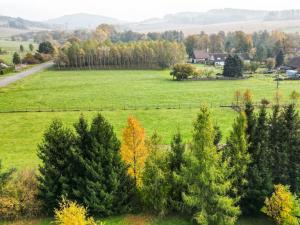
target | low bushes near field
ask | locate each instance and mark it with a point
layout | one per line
(18, 196)
(7, 70)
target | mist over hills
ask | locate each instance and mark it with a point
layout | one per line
(189, 22)
(82, 21)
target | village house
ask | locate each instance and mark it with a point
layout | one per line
(294, 64)
(216, 59)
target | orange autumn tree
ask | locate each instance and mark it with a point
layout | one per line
(133, 149)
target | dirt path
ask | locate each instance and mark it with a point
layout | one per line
(11, 79)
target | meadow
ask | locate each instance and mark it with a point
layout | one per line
(13, 46)
(158, 102)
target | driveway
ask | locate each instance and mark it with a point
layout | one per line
(11, 79)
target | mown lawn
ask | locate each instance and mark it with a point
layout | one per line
(152, 94)
(142, 220)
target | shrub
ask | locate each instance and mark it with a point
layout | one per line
(7, 70)
(27, 189)
(270, 63)
(30, 59)
(254, 66)
(42, 57)
(183, 71)
(282, 206)
(18, 198)
(71, 213)
(8, 204)
(203, 73)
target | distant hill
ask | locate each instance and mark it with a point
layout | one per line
(21, 24)
(222, 19)
(189, 22)
(82, 20)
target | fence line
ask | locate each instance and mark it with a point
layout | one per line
(111, 108)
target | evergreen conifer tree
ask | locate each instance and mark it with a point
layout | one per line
(155, 186)
(279, 158)
(279, 58)
(176, 161)
(259, 174)
(102, 183)
(55, 152)
(205, 176)
(237, 155)
(291, 145)
(233, 66)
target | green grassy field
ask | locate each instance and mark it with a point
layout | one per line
(13, 46)
(150, 95)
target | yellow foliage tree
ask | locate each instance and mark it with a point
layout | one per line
(247, 96)
(133, 149)
(70, 213)
(282, 206)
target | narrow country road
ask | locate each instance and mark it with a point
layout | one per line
(11, 79)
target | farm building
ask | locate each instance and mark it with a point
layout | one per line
(217, 59)
(294, 63)
(201, 57)
(292, 73)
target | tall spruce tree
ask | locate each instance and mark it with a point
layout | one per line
(291, 145)
(55, 152)
(237, 155)
(259, 174)
(101, 182)
(279, 58)
(233, 66)
(176, 162)
(205, 177)
(280, 158)
(251, 124)
(86, 167)
(155, 187)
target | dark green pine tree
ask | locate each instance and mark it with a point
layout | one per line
(218, 135)
(259, 174)
(279, 58)
(55, 152)
(291, 145)
(237, 155)
(102, 183)
(251, 124)
(279, 157)
(176, 161)
(233, 66)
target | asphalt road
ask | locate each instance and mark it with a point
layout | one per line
(11, 79)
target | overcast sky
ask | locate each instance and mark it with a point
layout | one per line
(130, 10)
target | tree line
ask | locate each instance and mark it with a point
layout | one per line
(259, 45)
(102, 55)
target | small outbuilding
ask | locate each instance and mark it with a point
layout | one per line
(292, 73)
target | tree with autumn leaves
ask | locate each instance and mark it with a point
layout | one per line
(133, 149)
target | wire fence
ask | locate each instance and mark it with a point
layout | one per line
(111, 108)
